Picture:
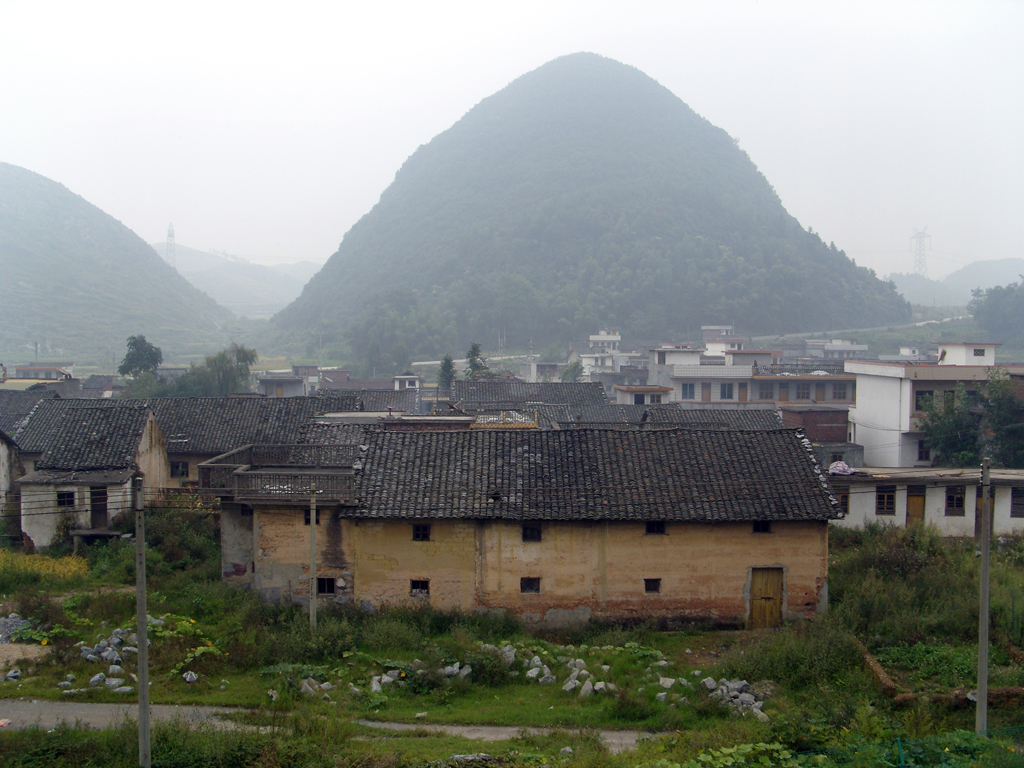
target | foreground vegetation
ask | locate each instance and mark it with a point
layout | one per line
(909, 596)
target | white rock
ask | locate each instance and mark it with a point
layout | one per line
(114, 682)
(661, 696)
(600, 687)
(533, 673)
(420, 715)
(466, 671)
(587, 690)
(666, 682)
(605, 667)
(570, 686)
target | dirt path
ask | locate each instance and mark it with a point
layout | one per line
(616, 741)
(48, 714)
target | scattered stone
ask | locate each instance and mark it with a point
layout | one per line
(129, 649)
(508, 655)
(116, 642)
(375, 685)
(709, 684)
(746, 700)
(661, 696)
(326, 697)
(661, 663)
(388, 679)
(190, 676)
(64, 684)
(535, 662)
(600, 687)
(307, 689)
(479, 757)
(323, 686)
(585, 674)
(133, 639)
(547, 680)
(570, 686)
(533, 673)
(666, 682)
(545, 671)
(587, 690)
(70, 678)
(124, 689)
(565, 751)
(466, 671)
(97, 679)
(115, 670)
(420, 715)
(581, 664)
(612, 687)
(72, 691)
(93, 658)
(605, 668)
(688, 651)
(14, 674)
(761, 716)
(114, 682)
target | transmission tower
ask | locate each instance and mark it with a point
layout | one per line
(171, 255)
(920, 260)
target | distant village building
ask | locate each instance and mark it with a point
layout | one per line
(556, 527)
(51, 371)
(891, 396)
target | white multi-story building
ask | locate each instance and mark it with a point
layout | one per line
(886, 418)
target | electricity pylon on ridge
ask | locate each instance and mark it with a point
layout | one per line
(170, 254)
(920, 259)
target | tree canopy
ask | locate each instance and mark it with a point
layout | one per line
(141, 357)
(1000, 311)
(224, 373)
(446, 372)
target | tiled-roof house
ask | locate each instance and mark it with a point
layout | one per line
(86, 471)
(554, 526)
(490, 395)
(9, 471)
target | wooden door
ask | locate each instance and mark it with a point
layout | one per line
(765, 597)
(915, 509)
(705, 392)
(819, 393)
(98, 507)
(743, 392)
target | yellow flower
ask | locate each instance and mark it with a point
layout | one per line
(192, 621)
(44, 642)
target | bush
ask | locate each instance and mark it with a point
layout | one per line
(385, 632)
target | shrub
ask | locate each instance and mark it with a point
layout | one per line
(390, 632)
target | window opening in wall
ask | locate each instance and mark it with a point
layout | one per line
(529, 585)
(179, 469)
(305, 516)
(955, 495)
(531, 531)
(661, 358)
(839, 390)
(923, 451)
(65, 498)
(652, 586)
(725, 391)
(687, 391)
(656, 527)
(834, 457)
(843, 495)
(979, 352)
(419, 587)
(922, 398)
(766, 390)
(1017, 502)
(421, 532)
(638, 398)
(762, 526)
(885, 500)
(803, 390)
(326, 586)
(655, 398)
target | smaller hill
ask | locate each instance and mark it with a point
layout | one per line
(77, 282)
(955, 289)
(242, 286)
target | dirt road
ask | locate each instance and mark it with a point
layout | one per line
(47, 714)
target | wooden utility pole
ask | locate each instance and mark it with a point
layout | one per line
(312, 557)
(141, 624)
(981, 713)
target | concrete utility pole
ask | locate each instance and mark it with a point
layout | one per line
(981, 713)
(141, 623)
(312, 557)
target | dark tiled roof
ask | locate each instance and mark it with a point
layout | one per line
(91, 438)
(671, 474)
(715, 418)
(205, 426)
(318, 433)
(487, 395)
(16, 405)
(566, 417)
(383, 399)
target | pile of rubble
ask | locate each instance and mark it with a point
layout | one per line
(738, 696)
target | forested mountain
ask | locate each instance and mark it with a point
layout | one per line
(78, 282)
(956, 288)
(242, 286)
(583, 194)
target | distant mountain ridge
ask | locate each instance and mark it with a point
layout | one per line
(582, 195)
(246, 288)
(78, 282)
(955, 289)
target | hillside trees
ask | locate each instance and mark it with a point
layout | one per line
(1000, 311)
(224, 373)
(446, 372)
(476, 361)
(141, 357)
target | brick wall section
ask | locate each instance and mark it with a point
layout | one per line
(826, 426)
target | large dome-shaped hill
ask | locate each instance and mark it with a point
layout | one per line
(79, 282)
(583, 194)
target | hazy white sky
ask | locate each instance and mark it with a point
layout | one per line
(267, 130)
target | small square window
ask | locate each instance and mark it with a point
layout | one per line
(656, 527)
(179, 469)
(922, 398)
(419, 587)
(762, 526)
(955, 495)
(979, 352)
(803, 390)
(531, 531)
(686, 391)
(725, 391)
(1017, 502)
(529, 585)
(652, 586)
(885, 500)
(843, 495)
(834, 457)
(326, 586)
(766, 390)
(65, 498)
(839, 390)
(305, 517)
(638, 398)
(421, 532)
(655, 398)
